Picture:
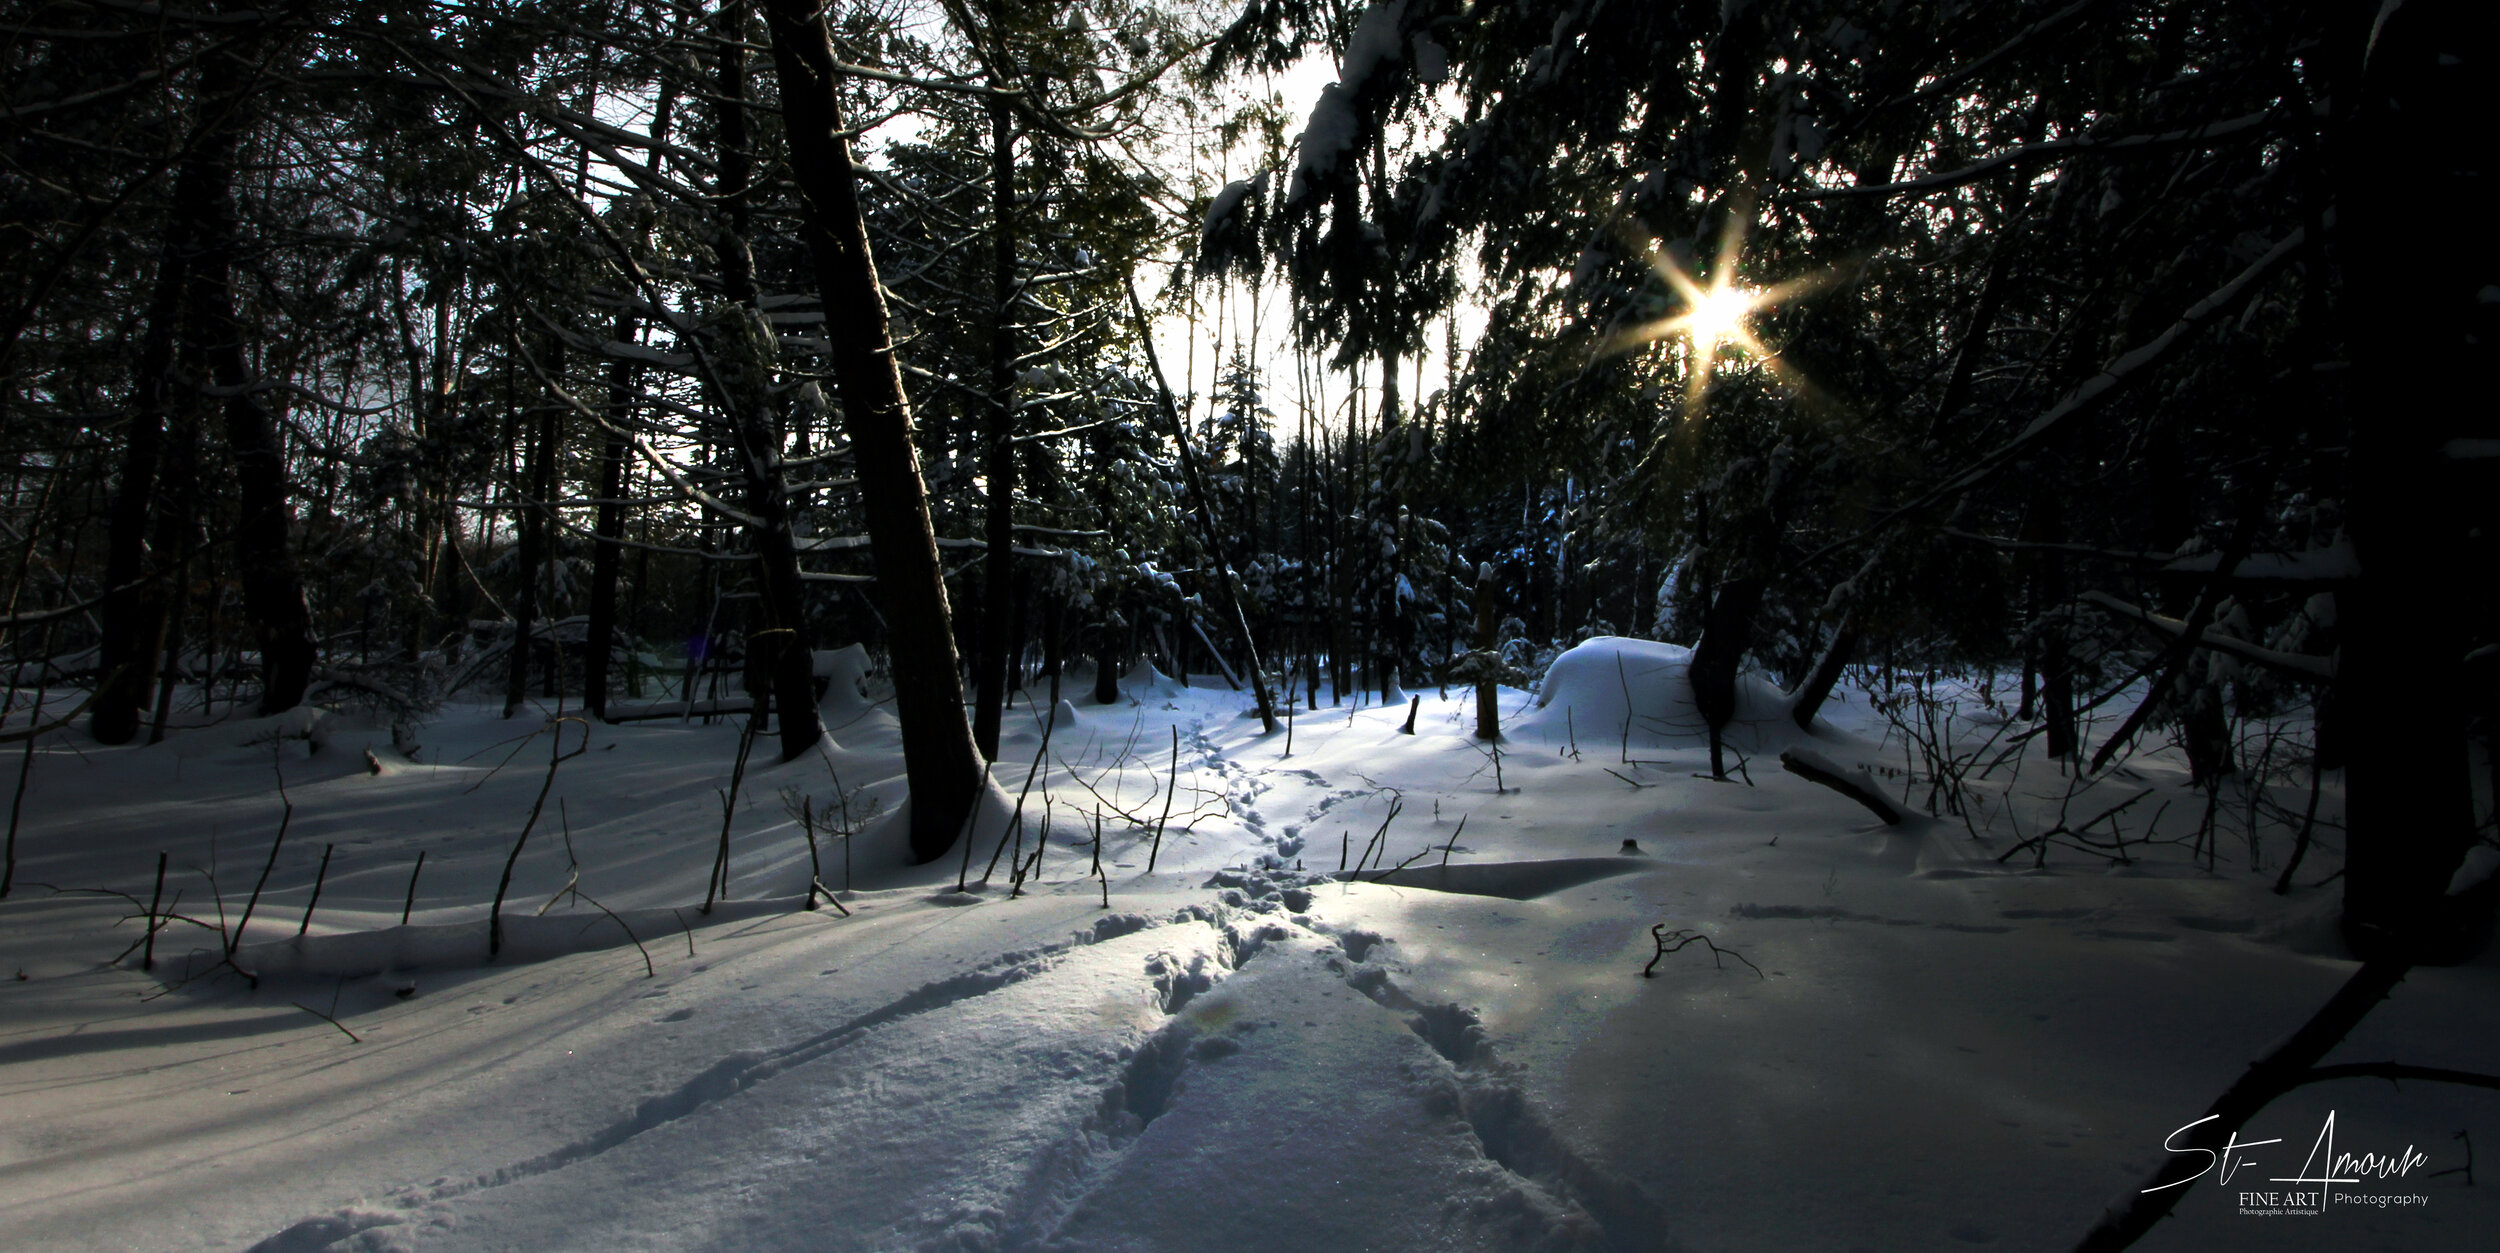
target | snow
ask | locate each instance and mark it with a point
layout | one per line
(1940, 1050)
(1334, 126)
(1637, 691)
(1374, 42)
(624, 351)
(1226, 204)
(1328, 136)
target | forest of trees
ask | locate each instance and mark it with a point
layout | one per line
(627, 352)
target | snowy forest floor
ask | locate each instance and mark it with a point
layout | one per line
(1922, 1047)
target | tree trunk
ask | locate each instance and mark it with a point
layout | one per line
(599, 644)
(2409, 170)
(273, 590)
(607, 556)
(944, 768)
(1106, 632)
(1019, 625)
(2029, 703)
(999, 462)
(1392, 631)
(1808, 699)
(1054, 627)
(1726, 632)
(1107, 669)
(2191, 698)
(779, 645)
(1210, 531)
(133, 613)
(531, 519)
(1340, 592)
(132, 616)
(178, 538)
(432, 515)
(2204, 729)
(2044, 523)
(1488, 637)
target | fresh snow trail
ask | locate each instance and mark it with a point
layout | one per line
(1388, 1123)
(1038, 1099)
(1939, 1051)
(941, 1118)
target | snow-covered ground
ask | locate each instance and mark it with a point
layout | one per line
(1912, 1045)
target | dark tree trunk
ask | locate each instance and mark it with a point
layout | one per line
(1054, 628)
(132, 616)
(133, 612)
(532, 553)
(1808, 699)
(999, 461)
(1391, 631)
(2044, 523)
(2410, 169)
(2028, 707)
(1107, 669)
(780, 653)
(273, 590)
(432, 517)
(1019, 625)
(600, 633)
(2204, 729)
(2191, 698)
(1488, 637)
(1726, 634)
(1106, 632)
(177, 540)
(599, 638)
(944, 768)
(1340, 599)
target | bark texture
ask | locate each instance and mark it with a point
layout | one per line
(943, 767)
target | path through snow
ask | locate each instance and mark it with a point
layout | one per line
(1239, 1051)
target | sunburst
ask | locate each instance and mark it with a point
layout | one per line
(1714, 317)
(1715, 320)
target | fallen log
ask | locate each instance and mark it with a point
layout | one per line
(679, 709)
(1856, 784)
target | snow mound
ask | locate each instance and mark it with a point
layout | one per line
(1615, 688)
(304, 724)
(1144, 680)
(845, 672)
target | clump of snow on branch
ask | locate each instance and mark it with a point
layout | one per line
(1220, 236)
(1334, 125)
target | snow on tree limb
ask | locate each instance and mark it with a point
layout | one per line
(2097, 390)
(2298, 665)
(1946, 180)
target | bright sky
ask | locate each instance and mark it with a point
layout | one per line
(1269, 311)
(1236, 314)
